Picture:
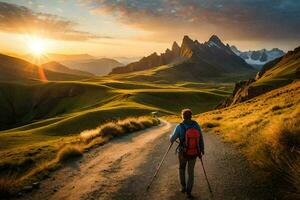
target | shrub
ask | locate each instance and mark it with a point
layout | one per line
(88, 135)
(137, 125)
(275, 108)
(218, 118)
(111, 129)
(210, 125)
(69, 152)
(127, 126)
(145, 121)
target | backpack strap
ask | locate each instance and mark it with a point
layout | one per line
(182, 126)
(181, 141)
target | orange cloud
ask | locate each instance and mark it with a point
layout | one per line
(20, 19)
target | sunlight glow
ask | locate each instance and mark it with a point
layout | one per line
(37, 46)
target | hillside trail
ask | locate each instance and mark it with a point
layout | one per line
(122, 169)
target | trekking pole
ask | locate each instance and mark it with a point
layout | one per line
(160, 164)
(210, 190)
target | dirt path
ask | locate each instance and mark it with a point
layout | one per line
(122, 169)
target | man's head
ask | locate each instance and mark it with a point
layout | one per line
(186, 114)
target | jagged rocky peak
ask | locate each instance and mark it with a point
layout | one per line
(187, 47)
(168, 50)
(153, 54)
(216, 40)
(176, 49)
(187, 41)
(175, 46)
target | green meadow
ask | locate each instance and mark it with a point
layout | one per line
(39, 118)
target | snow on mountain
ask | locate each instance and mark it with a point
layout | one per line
(259, 57)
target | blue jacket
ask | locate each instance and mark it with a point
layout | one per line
(179, 132)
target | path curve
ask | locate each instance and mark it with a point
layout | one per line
(122, 169)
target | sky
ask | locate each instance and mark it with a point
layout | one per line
(135, 28)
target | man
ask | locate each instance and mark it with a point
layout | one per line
(190, 147)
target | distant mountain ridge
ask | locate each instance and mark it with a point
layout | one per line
(101, 66)
(57, 67)
(276, 73)
(65, 57)
(258, 57)
(190, 61)
(81, 62)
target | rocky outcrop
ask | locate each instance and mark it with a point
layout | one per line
(242, 92)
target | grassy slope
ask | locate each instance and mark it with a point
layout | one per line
(279, 75)
(51, 114)
(266, 129)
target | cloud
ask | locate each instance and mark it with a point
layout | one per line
(231, 19)
(20, 19)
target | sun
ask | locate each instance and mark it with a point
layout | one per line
(37, 46)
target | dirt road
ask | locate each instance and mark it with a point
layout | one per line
(122, 169)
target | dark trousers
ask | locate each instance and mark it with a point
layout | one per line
(190, 162)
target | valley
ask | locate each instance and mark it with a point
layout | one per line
(46, 108)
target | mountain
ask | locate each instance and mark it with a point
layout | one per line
(65, 57)
(54, 57)
(126, 60)
(192, 61)
(151, 61)
(15, 69)
(57, 67)
(260, 57)
(102, 66)
(276, 73)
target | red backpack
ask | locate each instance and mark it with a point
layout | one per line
(191, 141)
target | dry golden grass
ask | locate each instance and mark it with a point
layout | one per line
(69, 152)
(267, 130)
(117, 128)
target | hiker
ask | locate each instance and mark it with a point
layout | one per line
(190, 147)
